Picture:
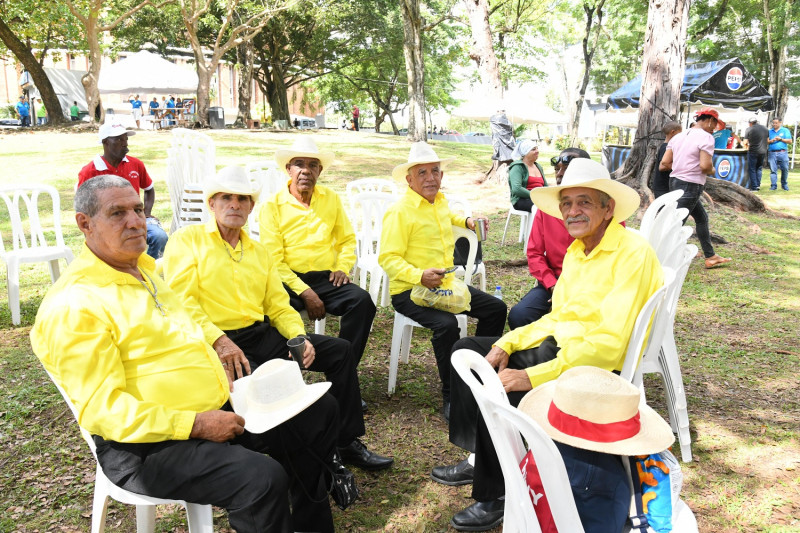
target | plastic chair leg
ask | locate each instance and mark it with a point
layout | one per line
(55, 270)
(200, 518)
(145, 518)
(319, 326)
(505, 229)
(99, 509)
(394, 353)
(12, 277)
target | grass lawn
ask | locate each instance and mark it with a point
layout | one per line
(736, 332)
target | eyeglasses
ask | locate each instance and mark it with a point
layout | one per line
(564, 159)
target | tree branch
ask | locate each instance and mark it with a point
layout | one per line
(701, 34)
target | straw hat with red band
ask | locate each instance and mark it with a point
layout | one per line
(593, 409)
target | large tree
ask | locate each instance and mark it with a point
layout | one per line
(98, 17)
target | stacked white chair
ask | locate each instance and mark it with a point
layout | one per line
(268, 178)
(369, 208)
(199, 517)
(505, 425)
(360, 186)
(404, 326)
(461, 205)
(30, 246)
(190, 161)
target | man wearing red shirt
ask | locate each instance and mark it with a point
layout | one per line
(546, 248)
(114, 138)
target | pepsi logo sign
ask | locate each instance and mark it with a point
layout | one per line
(724, 168)
(734, 78)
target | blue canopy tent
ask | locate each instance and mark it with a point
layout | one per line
(725, 83)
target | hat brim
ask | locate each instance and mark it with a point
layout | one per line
(129, 133)
(400, 171)
(283, 156)
(655, 434)
(626, 200)
(260, 421)
(213, 187)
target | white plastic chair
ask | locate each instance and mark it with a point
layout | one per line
(404, 326)
(662, 226)
(663, 358)
(461, 205)
(190, 159)
(525, 223)
(360, 186)
(505, 424)
(369, 208)
(266, 176)
(30, 246)
(198, 516)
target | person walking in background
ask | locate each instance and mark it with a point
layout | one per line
(23, 109)
(779, 139)
(525, 174)
(153, 106)
(74, 112)
(41, 113)
(721, 135)
(356, 114)
(689, 157)
(136, 109)
(755, 140)
(661, 177)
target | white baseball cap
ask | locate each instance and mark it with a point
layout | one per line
(114, 129)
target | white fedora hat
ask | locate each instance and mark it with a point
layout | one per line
(421, 153)
(594, 409)
(232, 180)
(591, 174)
(304, 146)
(273, 394)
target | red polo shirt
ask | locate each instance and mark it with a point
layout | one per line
(129, 168)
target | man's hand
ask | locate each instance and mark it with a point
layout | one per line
(338, 278)
(314, 306)
(514, 380)
(498, 358)
(309, 354)
(217, 426)
(432, 277)
(233, 359)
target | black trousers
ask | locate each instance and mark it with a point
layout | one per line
(261, 343)
(236, 475)
(467, 427)
(349, 301)
(491, 314)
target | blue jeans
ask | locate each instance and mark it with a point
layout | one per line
(156, 238)
(779, 160)
(755, 163)
(691, 201)
(530, 308)
(42, 121)
(25, 121)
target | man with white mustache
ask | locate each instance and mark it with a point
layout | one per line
(608, 275)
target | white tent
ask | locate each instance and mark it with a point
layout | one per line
(518, 109)
(144, 72)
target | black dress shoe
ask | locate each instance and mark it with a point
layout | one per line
(480, 516)
(454, 475)
(446, 411)
(357, 454)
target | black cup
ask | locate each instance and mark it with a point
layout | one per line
(297, 347)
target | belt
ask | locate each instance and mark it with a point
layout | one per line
(247, 328)
(775, 151)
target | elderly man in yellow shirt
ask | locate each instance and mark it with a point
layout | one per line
(608, 275)
(306, 231)
(232, 286)
(417, 248)
(153, 392)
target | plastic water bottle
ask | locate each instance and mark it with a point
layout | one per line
(498, 292)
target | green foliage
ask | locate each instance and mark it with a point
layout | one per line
(463, 125)
(563, 141)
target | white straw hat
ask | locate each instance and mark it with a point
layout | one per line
(304, 146)
(591, 174)
(273, 394)
(594, 409)
(232, 180)
(114, 129)
(421, 153)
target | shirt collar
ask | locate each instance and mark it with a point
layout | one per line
(286, 197)
(417, 200)
(609, 242)
(212, 229)
(100, 163)
(102, 274)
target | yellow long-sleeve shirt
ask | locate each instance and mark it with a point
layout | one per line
(305, 239)
(595, 304)
(132, 374)
(416, 235)
(222, 293)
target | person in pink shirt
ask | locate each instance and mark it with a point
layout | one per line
(546, 248)
(689, 156)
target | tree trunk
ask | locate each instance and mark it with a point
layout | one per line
(664, 62)
(734, 196)
(276, 93)
(415, 70)
(588, 55)
(482, 51)
(91, 78)
(777, 58)
(203, 87)
(26, 57)
(380, 114)
(245, 54)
